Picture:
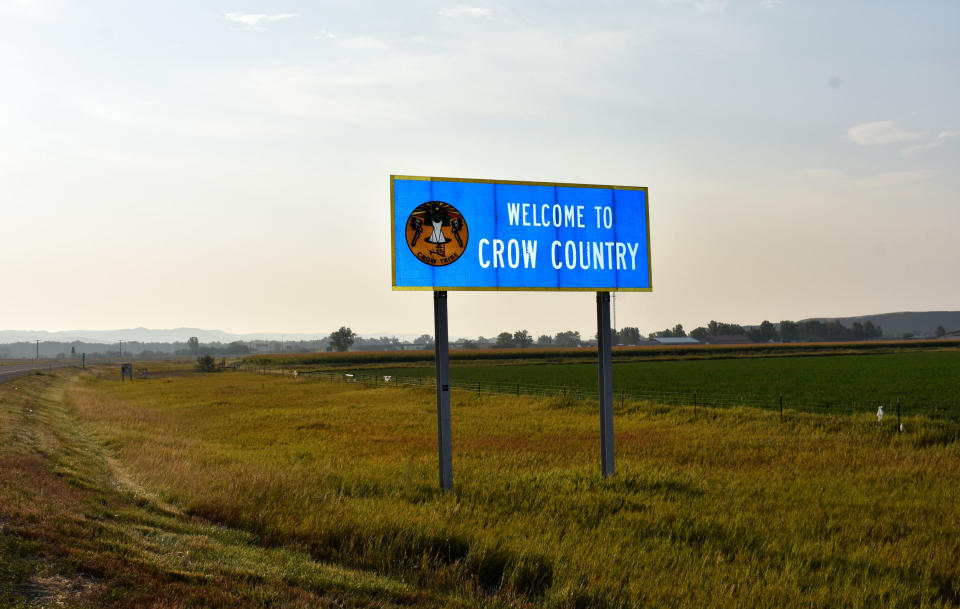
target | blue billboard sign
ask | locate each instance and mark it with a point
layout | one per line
(462, 234)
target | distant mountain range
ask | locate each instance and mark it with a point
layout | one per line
(893, 324)
(896, 325)
(148, 335)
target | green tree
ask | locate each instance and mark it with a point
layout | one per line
(423, 339)
(768, 331)
(569, 338)
(545, 340)
(765, 332)
(717, 328)
(789, 331)
(629, 336)
(193, 343)
(676, 332)
(342, 339)
(941, 332)
(521, 338)
(504, 340)
(238, 348)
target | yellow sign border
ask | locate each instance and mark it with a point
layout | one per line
(393, 236)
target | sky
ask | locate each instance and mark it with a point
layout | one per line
(225, 164)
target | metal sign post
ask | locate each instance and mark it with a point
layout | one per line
(442, 348)
(605, 382)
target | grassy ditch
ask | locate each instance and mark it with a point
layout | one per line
(77, 530)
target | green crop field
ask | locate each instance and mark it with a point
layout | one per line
(923, 381)
(234, 489)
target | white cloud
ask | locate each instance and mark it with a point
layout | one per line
(469, 12)
(710, 6)
(821, 174)
(254, 21)
(46, 10)
(363, 42)
(894, 179)
(704, 6)
(912, 151)
(324, 35)
(887, 180)
(879, 133)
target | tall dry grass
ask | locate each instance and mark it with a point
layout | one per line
(730, 508)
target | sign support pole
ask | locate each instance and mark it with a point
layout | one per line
(442, 349)
(605, 382)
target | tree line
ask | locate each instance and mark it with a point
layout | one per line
(785, 331)
(344, 339)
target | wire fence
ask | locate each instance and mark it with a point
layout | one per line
(892, 406)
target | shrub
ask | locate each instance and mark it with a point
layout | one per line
(206, 363)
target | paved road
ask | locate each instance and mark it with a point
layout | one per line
(14, 371)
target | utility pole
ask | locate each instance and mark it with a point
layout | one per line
(613, 296)
(121, 348)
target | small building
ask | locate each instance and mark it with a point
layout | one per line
(682, 340)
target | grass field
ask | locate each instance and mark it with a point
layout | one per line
(229, 486)
(622, 353)
(924, 381)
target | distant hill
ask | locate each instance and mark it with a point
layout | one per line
(895, 325)
(146, 335)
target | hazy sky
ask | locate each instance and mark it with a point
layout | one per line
(225, 164)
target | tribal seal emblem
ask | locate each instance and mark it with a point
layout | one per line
(436, 233)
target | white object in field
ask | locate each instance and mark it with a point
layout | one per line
(386, 379)
(880, 413)
(901, 427)
(349, 378)
(294, 373)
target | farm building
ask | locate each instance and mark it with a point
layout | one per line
(683, 340)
